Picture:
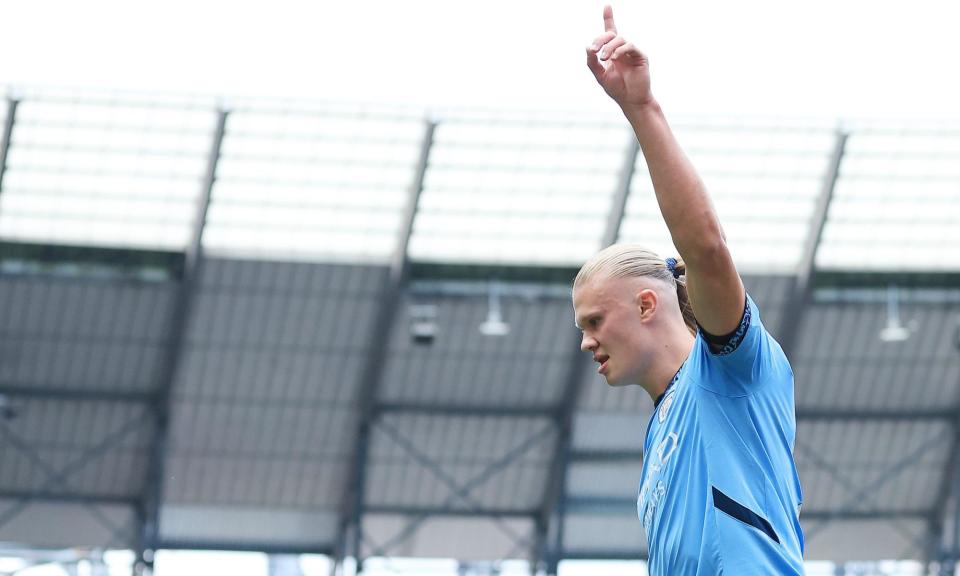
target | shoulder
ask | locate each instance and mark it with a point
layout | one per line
(738, 362)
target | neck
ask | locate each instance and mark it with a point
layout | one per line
(672, 356)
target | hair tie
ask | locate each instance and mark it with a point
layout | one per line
(672, 267)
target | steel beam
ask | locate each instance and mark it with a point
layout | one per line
(874, 415)
(373, 372)
(824, 515)
(555, 492)
(58, 477)
(955, 543)
(617, 506)
(243, 546)
(465, 410)
(947, 553)
(7, 137)
(547, 290)
(618, 207)
(68, 498)
(805, 414)
(949, 487)
(453, 512)
(606, 456)
(75, 394)
(611, 555)
(816, 415)
(459, 491)
(863, 494)
(601, 505)
(799, 296)
(940, 513)
(179, 323)
(810, 414)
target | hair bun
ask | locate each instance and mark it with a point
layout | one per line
(675, 267)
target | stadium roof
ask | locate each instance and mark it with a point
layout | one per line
(258, 328)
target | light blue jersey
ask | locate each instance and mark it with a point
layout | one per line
(719, 493)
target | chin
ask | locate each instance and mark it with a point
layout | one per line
(620, 380)
(614, 382)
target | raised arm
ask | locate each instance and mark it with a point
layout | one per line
(716, 291)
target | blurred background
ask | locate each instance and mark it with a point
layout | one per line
(285, 288)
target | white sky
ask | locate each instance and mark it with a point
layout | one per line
(817, 58)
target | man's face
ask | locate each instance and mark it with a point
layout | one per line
(608, 313)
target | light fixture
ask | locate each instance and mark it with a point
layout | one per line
(894, 331)
(494, 324)
(423, 323)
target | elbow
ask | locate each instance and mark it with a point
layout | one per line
(706, 245)
(709, 252)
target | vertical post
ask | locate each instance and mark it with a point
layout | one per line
(945, 553)
(373, 372)
(948, 493)
(800, 291)
(540, 550)
(7, 136)
(339, 547)
(560, 508)
(283, 565)
(554, 502)
(618, 207)
(139, 565)
(955, 541)
(954, 550)
(179, 319)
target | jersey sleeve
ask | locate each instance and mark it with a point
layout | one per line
(736, 364)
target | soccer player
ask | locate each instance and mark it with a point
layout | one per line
(719, 492)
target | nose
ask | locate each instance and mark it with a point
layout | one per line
(588, 343)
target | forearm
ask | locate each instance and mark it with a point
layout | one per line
(681, 194)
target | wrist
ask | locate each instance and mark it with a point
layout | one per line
(641, 109)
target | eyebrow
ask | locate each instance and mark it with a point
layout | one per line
(586, 318)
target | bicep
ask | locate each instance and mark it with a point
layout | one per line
(716, 291)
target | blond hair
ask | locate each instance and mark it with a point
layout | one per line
(632, 261)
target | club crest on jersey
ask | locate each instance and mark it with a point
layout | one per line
(665, 407)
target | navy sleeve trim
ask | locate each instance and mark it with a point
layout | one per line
(727, 344)
(728, 505)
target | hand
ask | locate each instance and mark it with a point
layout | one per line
(622, 70)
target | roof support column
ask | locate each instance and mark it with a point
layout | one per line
(801, 289)
(5, 139)
(373, 374)
(555, 493)
(947, 553)
(179, 321)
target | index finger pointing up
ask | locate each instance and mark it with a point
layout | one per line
(608, 24)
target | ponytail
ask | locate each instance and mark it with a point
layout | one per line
(679, 271)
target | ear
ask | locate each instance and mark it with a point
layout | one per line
(646, 302)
